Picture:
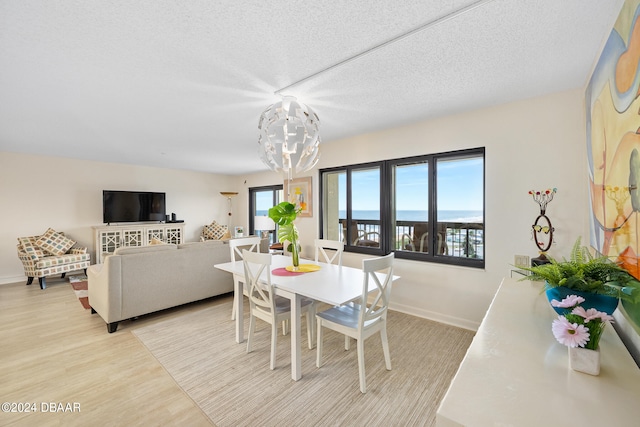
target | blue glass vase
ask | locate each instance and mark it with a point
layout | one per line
(602, 303)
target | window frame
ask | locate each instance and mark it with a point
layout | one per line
(252, 207)
(387, 206)
(349, 169)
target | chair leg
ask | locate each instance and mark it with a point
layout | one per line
(285, 327)
(234, 308)
(347, 342)
(310, 329)
(363, 382)
(252, 328)
(319, 343)
(274, 343)
(29, 280)
(63, 274)
(385, 347)
(311, 326)
(43, 282)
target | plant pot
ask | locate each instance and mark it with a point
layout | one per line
(584, 360)
(602, 303)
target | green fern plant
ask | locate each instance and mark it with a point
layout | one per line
(587, 273)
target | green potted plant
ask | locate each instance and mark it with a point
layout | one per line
(284, 214)
(597, 279)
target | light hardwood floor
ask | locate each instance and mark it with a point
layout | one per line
(52, 350)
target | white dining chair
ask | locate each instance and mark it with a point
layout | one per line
(329, 257)
(360, 321)
(235, 248)
(266, 306)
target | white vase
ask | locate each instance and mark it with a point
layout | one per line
(584, 360)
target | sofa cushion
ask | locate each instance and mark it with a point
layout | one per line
(54, 243)
(214, 231)
(144, 249)
(197, 245)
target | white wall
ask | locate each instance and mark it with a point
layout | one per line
(530, 145)
(38, 192)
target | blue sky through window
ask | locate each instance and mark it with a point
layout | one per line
(453, 176)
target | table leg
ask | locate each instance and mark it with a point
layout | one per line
(296, 360)
(239, 311)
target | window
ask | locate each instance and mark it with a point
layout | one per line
(428, 208)
(351, 208)
(261, 199)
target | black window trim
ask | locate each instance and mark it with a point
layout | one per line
(252, 204)
(386, 204)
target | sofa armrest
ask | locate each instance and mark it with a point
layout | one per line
(105, 288)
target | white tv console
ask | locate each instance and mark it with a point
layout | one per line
(110, 237)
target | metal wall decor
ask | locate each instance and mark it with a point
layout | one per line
(542, 230)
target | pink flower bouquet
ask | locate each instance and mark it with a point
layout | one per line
(579, 327)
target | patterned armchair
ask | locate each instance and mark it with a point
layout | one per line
(49, 254)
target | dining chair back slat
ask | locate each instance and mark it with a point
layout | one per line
(322, 245)
(236, 246)
(260, 293)
(378, 271)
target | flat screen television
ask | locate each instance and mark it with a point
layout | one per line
(132, 206)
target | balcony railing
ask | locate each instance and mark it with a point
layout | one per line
(456, 239)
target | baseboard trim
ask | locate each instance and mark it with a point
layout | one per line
(14, 279)
(436, 317)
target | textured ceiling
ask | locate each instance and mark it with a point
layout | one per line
(181, 84)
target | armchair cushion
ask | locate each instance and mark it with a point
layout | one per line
(54, 242)
(52, 261)
(29, 249)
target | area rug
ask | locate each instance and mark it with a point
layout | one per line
(234, 388)
(80, 287)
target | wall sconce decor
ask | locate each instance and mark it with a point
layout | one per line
(542, 229)
(229, 195)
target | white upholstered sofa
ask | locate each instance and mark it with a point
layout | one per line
(141, 280)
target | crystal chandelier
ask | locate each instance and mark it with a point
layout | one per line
(289, 138)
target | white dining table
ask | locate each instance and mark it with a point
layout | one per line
(332, 284)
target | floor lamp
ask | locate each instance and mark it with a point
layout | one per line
(229, 195)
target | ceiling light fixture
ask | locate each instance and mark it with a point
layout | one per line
(289, 137)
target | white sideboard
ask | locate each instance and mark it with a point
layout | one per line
(110, 237)
(515, 373)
